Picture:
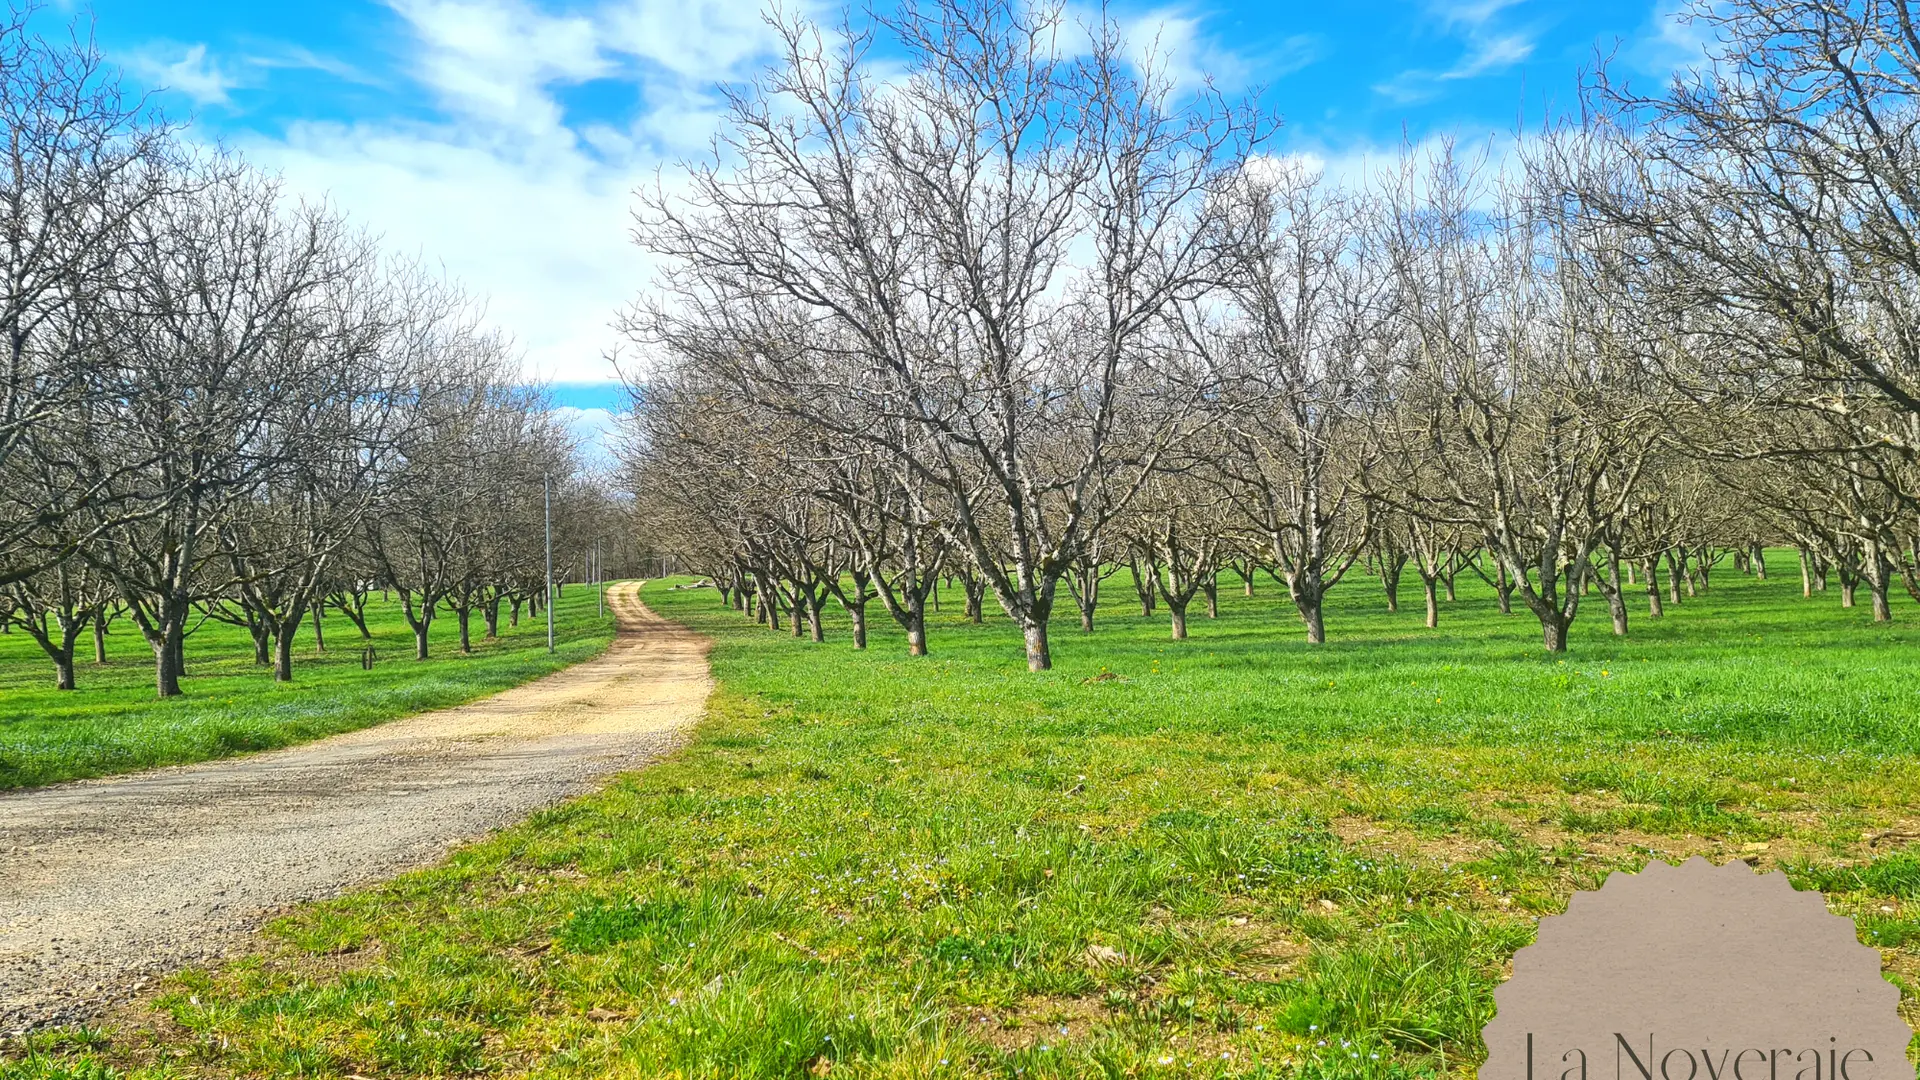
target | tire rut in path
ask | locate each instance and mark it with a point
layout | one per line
(105, 884)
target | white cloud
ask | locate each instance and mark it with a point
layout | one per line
(296, 57)
(1493, 54)
(1489, 49)
(1176, 40)
(190, 73)
(1470, 13)
(495, 60)
(1674, 44)
(694, 39)
(526, 207)
(598, 432)
(540, 231)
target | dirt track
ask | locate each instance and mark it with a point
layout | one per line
(105, 883)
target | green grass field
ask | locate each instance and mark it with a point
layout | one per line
(1231, 856)
(113, 723)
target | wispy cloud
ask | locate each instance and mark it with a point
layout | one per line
(1491, 54)
(1673, 44)
(1471, 14)
(1178, 41)
(187, 70)
(301, 58)
(1490, 48)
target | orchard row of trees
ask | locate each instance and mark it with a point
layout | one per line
(223, 403)
(1016, 309)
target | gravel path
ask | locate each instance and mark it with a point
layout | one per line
(107, 883)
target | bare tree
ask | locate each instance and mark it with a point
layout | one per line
(81, 161)
(908, 250)
(1523, 393)
(1294, 364)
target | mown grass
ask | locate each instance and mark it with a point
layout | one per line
(113, 723)
(1232, 856)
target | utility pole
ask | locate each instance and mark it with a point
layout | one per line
(546, 489)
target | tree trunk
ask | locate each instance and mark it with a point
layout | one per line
(464, 616)
(1211, 589)
(1313, 614)
(916, 624)
(283, 653)
(166, 660)
(262, 643)
(1390, 580)
(1177, 615)
(1433, 600)
(1149, 594)
(1879, 577)
(1806, 573)
(1086, 595)
(858, 614)
(63, 669)
(99, 637)
(1616, 600)
(490, 611)
(1553, 631)
(319, 634)
(1652, 569)
(1758, 560)
(1039, 656)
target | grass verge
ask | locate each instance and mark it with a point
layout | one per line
(113, 723)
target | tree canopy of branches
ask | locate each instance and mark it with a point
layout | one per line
(1018, 310)
(222, 402)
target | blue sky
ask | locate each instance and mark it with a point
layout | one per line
(502, 138)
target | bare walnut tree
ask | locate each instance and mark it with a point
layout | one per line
(893, 265)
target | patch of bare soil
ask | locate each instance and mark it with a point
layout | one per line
(105, 884)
